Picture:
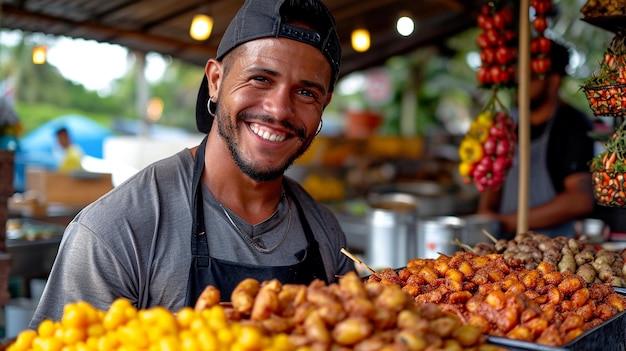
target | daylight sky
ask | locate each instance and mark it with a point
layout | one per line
(92, 64)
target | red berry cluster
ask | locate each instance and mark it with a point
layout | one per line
(540, 45)
(498, 152)
(498, 46)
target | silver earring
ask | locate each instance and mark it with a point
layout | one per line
(211, 106)
(319, 127)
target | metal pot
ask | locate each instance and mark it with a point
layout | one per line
(392, 231)
(433, 198)
(436, 235)
(474, 227)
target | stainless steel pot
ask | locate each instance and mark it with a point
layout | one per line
(474, 227)
(392, 231)
(433, 199)
(436, 235)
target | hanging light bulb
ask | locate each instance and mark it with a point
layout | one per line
(201, 27)
(360, 39)
(155, 109)
(405, 25)
(39, 54)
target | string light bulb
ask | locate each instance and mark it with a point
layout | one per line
(405, 25)
(39, 54)
(201, 27)
(155, 109)
(360, 39)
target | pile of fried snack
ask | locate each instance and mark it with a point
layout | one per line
(268, 316)
(502, 297)
(592, 262)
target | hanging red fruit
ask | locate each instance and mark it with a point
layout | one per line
(498, 46)
(540, 45)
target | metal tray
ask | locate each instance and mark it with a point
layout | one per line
(608, 336)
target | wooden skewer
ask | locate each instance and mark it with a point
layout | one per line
(490, 236)
(357, 260)
(465, 247)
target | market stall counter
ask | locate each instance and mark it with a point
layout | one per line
(33, 246)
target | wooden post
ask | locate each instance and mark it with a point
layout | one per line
(524, 116)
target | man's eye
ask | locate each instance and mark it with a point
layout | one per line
(260, 79)
(307, 93)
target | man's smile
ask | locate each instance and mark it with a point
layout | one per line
(267, 133)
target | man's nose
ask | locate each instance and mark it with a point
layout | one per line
(279, 103)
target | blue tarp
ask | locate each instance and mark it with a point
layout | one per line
(36, 148)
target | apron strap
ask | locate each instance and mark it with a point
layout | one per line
(198, 266)
(199, 246)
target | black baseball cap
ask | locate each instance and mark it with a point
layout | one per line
(258, 19)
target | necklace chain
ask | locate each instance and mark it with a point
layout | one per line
(254, 243)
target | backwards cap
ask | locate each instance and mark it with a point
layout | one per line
(258, 19)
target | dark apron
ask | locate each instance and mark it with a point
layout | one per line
(541, 191)
(225, 275)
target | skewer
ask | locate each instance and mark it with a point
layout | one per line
(358, 261)
(465, 247)
(490, 236)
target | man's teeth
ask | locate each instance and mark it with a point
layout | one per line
(265, 134)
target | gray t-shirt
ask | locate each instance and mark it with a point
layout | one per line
(135, 242)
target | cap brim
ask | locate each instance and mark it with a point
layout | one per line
(204, 121)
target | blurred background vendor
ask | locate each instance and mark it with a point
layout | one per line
(560, 188)
(67, 154)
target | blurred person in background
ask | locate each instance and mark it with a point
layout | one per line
(69, 155)
(560, 188)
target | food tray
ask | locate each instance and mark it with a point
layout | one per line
(608, 336)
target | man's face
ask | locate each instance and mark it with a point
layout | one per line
(64, 139)
(270, 103)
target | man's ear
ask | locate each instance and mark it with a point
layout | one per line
(214, 72)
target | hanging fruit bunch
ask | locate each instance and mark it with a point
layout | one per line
(608, 170)
(498, 46)
(488, 148)
(606, 90)
(540, 45)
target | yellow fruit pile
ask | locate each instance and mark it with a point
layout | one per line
(123, 327)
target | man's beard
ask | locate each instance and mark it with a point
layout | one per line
(228, 131)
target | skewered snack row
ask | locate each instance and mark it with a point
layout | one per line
(593, 263)
(268, 316)
(503, 298)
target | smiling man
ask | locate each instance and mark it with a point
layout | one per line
(222, 211)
